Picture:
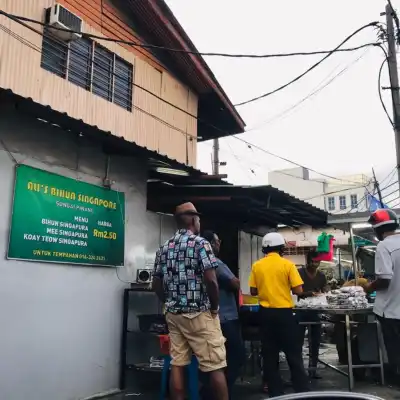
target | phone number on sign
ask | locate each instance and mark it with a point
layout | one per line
(75, 256)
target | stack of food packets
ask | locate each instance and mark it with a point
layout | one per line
(349, 297)
(315, 302)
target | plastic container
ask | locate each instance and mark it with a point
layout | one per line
(249, 299)
(251, 307)
(164, 344)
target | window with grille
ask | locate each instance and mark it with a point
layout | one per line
(342, 202)
(331, 203)
(90, 66)
(353, 201)
(54, 54)
(80, 63)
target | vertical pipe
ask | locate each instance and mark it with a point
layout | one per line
(353, 253)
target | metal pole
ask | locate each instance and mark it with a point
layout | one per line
(394, 81)
(378, 189)
(215, 169)
(353, 253)
(340, 264)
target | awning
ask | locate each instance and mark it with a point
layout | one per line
(251, 205)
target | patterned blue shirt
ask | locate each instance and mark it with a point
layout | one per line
(181, 263)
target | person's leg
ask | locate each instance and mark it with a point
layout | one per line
(208, 344)
(391, 337)
(302, 328)
(315, 337)
(235, 352)
(270, 347)
(180, 356)
(288, 328)
(218, 385)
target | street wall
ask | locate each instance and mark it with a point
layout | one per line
(61, 324)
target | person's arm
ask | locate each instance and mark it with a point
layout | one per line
(209, 264)
(296, 283)
(158, 279)
(226, 279)
(304, 295)
(383, 270)
(253, 282)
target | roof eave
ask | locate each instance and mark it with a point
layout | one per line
(164, 13)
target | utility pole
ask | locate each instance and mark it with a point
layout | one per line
(215, 165)
(394, 81)
(378, 189)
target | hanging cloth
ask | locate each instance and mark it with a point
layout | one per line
(323, 243)
(326, 256)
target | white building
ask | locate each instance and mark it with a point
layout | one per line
(342, 195)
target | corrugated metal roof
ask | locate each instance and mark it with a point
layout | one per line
(258, 204)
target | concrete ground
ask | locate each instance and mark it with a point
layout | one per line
(249, 388)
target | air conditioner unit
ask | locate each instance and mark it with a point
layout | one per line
(144, 276)
(60, 17)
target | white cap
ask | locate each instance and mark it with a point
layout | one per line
(273, 239)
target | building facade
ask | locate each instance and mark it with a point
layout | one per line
(106, 114)
(337, 196)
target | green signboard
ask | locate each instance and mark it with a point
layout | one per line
(61, 220)
(361, 242)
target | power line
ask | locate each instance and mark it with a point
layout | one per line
(396, 205)
(334, 192)
(316, 91)
(389, 175)
(251, 145)
(192, 52)
(364, 198)
(372, 24)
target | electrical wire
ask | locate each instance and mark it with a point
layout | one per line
(262, 96)
(380, 92)
(389, 175)
(190, 52)
(250, 145)
(334, 192)
(240, 163)
(364, 198)
(315, 92)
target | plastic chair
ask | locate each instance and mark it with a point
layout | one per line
(192, 369)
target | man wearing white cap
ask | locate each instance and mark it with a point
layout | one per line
(273, 279)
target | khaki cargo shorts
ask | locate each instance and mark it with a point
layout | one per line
(200, 335)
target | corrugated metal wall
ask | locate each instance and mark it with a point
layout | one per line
(153, 123)
(250, 250)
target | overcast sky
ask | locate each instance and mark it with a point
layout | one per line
(342, 129)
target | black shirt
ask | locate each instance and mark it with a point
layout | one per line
(315, 284)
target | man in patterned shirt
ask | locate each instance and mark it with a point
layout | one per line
(184, 279)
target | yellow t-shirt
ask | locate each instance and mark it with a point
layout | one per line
(273, 276)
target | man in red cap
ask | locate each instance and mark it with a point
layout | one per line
(184, 279)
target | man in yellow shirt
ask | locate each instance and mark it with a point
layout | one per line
(273, 279)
